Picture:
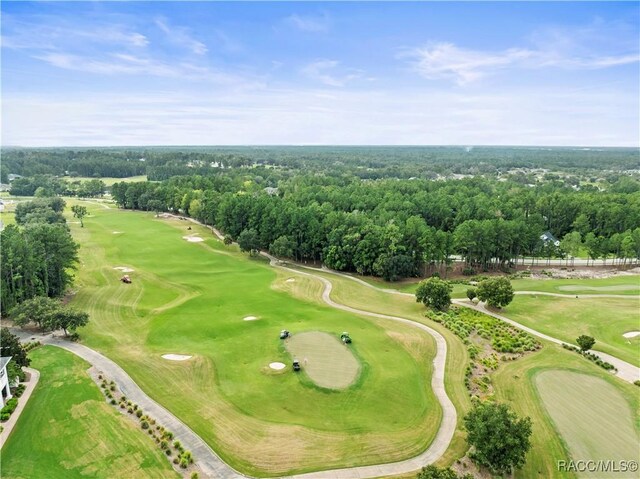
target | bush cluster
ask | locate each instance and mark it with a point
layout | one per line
(9, 407)
(591, 357)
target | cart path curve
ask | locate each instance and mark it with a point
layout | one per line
(626, 371)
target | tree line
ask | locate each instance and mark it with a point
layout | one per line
(397, 228)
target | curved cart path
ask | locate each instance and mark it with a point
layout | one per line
(449, 416)
(626, 371)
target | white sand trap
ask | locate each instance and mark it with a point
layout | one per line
(176, 357)
(193, 239)
(290, 280)
(277, 366)
(117, 232)
(249, 318)
(631, 334)
(124, 269)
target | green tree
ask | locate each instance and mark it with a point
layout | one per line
(585, 342)
(471, 294)
(79, 212)
(248, 241)
(497, 292)
(500, 439)
(68, 319)
(227, 240)
(283, 247)
(39, 310)
(10, 346)
(435, 293)
(156, 206)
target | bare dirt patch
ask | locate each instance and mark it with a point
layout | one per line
(176, 357)
(328, 363)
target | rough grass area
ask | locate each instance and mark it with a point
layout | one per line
(191, 298)
(606, 319)
(328, 363)
(592, 417)
(67, 430)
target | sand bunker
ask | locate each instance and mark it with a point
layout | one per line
(631, 334)
(117, 232)
(193, 239)
(290, 280)
(124, 269)
(249, 318)
(176, 357)
(277, 366)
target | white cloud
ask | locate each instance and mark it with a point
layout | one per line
(309, 23)
(448, 61)
(325, 71)
(181, 36)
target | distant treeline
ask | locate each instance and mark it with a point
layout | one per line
(363, 162)
(397, 228)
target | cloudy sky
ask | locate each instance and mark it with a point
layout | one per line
(163, 73)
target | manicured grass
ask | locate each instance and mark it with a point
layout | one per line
(623, 284)
(191, 298)
(606, 319)
(108, 181)
(515, 384)
(593, 418)
(67, 430)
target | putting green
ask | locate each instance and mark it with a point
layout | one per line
(592, 417)
(191, 298)
(329, 363)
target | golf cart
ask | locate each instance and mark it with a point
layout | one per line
(296, 365)
(284, 334)
(344, 337)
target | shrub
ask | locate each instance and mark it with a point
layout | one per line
(194, 475)
(637, 383)
(468, 271)
(122, 405)
(176, 460)
(112, 388)
(130, 410)
(167, 451)
(145, 425)
(99, 376)
(123, 398)
(73, 337)
(135, 407)
(10, 406)
(164, 444)
(183, 463)
(4, 416)
(19, 390)
(114, 402)
(139, 412)
(177, 445)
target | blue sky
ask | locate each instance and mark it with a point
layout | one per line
(178, 73)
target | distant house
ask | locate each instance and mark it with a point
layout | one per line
(4, 187)
(547, 238)
(271, 191)
(12, 177)
(4, 380)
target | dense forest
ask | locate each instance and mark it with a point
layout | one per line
(386, 211)
(37, 254)
(364, 162)
(397, 228)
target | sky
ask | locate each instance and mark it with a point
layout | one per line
(320, 73)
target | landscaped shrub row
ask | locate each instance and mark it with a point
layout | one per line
(9, 407)
(162, 436)
(591, 357)
(30, 345)
(19, 390)
(504, 338)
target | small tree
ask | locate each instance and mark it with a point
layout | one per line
(227, 240)
(497, 292)
(471, 294)
(69, 319)
(283, 247)
(585, 342)
(435, 293)
(156, 206)
(79, 212)
(248, 241)
(10, 346)
(37, 310)
(500, 439)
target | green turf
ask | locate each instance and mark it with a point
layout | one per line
(190, 298)
(592, 417)
(515, 384)
(108, 181)
(606, 319)
(67, 430)
(622, 284)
